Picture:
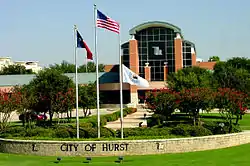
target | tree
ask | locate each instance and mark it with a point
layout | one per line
(87, 98)
(226, 75)
(27, 101)
(191, 77)
(47, 84)
(8, 104)
(65, 102)
(196, 99)
(214, 59)
(15, 69)
(232, 103)
(162, 101)
(91, 67)
(239, 63)
(66, 67)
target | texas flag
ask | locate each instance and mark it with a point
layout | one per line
(82, 44)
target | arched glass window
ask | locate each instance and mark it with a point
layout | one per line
(156, 46)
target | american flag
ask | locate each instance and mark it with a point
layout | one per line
(106, 22)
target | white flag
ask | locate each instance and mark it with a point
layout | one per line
(133, 79)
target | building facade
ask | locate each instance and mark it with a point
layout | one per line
(33, 65)
(155, 50)
(5, 61)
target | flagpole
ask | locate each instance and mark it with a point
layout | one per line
(76, 82)
(86, 64)
(121, 81)
(97, 77)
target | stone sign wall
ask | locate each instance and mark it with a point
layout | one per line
(123, 147)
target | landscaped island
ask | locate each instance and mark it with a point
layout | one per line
(183, 109)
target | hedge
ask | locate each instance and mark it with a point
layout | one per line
(88, 129)
(92, 120)
(180, 130)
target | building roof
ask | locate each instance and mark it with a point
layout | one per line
(206, 65)
(154, 24)
(83, 78)
(5, 57)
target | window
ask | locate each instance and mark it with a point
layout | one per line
(150, 31)
(169, 50)
(156, 31)
(156, 37)
(143, 44)
(188, 49)
(125, 51)
(169, 38)
(150, 38)
(143, 32)
(144, 50)
(187, 55)
(162, 37)
(143, 38)
(170, 43)
(162, 31)
(156, 46)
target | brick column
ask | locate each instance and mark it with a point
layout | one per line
(134, 66)
(165, 69)
(178, 52)
(193, 56)
(147, 70)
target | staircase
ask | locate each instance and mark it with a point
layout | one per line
(130, 121)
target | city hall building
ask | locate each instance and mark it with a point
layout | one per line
(155, 50)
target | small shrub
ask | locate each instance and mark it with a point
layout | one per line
(156, 119)
(236, 129)
(91, 132)
(181, 129)
(196, 131)
(111, 117)
(62, 133)
(106, 132)
(85, 125)
(131, 132)
(213, 127)
(38, 131)
(217, 129)
(73, 133)
(15, 131)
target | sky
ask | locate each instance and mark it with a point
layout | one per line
(42, 30)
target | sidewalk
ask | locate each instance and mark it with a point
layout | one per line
(130, 121)
(15, 116)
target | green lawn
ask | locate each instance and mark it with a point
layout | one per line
(235, 156)
(244, 123)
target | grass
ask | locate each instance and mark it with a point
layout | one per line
(244, 123)
(223, 157)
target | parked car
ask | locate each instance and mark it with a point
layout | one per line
(34, 116)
